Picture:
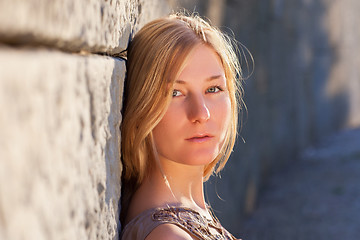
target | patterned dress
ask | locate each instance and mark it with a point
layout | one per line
(198, 226)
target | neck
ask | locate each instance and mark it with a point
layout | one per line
(184, 188)
(177, 184)
(184, 183)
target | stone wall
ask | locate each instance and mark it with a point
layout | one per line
(306, 85)
(61, 90)
(60, 101)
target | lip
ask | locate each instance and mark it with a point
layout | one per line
(200, 138)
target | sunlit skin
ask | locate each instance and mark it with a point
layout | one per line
(189, 136)
(194, 126)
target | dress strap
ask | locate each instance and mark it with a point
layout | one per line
(140, 227)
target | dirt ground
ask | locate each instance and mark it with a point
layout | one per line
(316, 197)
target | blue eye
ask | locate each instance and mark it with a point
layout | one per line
(176, 93)
(213, 89)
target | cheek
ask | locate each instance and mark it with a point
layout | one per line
(224, 122)
(166, 129)
(168, 122)
(222, 113)
(159, 136)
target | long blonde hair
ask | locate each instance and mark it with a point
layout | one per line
(156, 56)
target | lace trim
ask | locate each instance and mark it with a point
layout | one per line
(193, 222)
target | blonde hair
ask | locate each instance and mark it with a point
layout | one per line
(155, 58)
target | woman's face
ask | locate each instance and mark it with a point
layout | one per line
(194, 126)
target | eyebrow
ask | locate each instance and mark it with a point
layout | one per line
(208, 79)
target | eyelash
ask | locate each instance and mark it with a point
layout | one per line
(174, 93)
(216, 87)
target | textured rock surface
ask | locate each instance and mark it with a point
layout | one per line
(92, 25)
(59, 145)
(60, 103)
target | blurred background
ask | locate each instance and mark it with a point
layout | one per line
(287, 177)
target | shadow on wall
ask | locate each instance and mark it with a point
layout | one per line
(113, 167)
(298, 94)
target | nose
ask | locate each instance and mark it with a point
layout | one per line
(198, 111)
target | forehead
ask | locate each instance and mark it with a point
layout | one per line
(202, 62)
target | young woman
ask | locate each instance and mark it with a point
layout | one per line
(179, 126)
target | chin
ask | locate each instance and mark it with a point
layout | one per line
(199, 160)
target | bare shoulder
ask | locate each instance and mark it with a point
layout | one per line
(168, 232)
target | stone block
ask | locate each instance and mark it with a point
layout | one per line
(59, 144)
(91, 25)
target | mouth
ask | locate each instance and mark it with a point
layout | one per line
(200, 138)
